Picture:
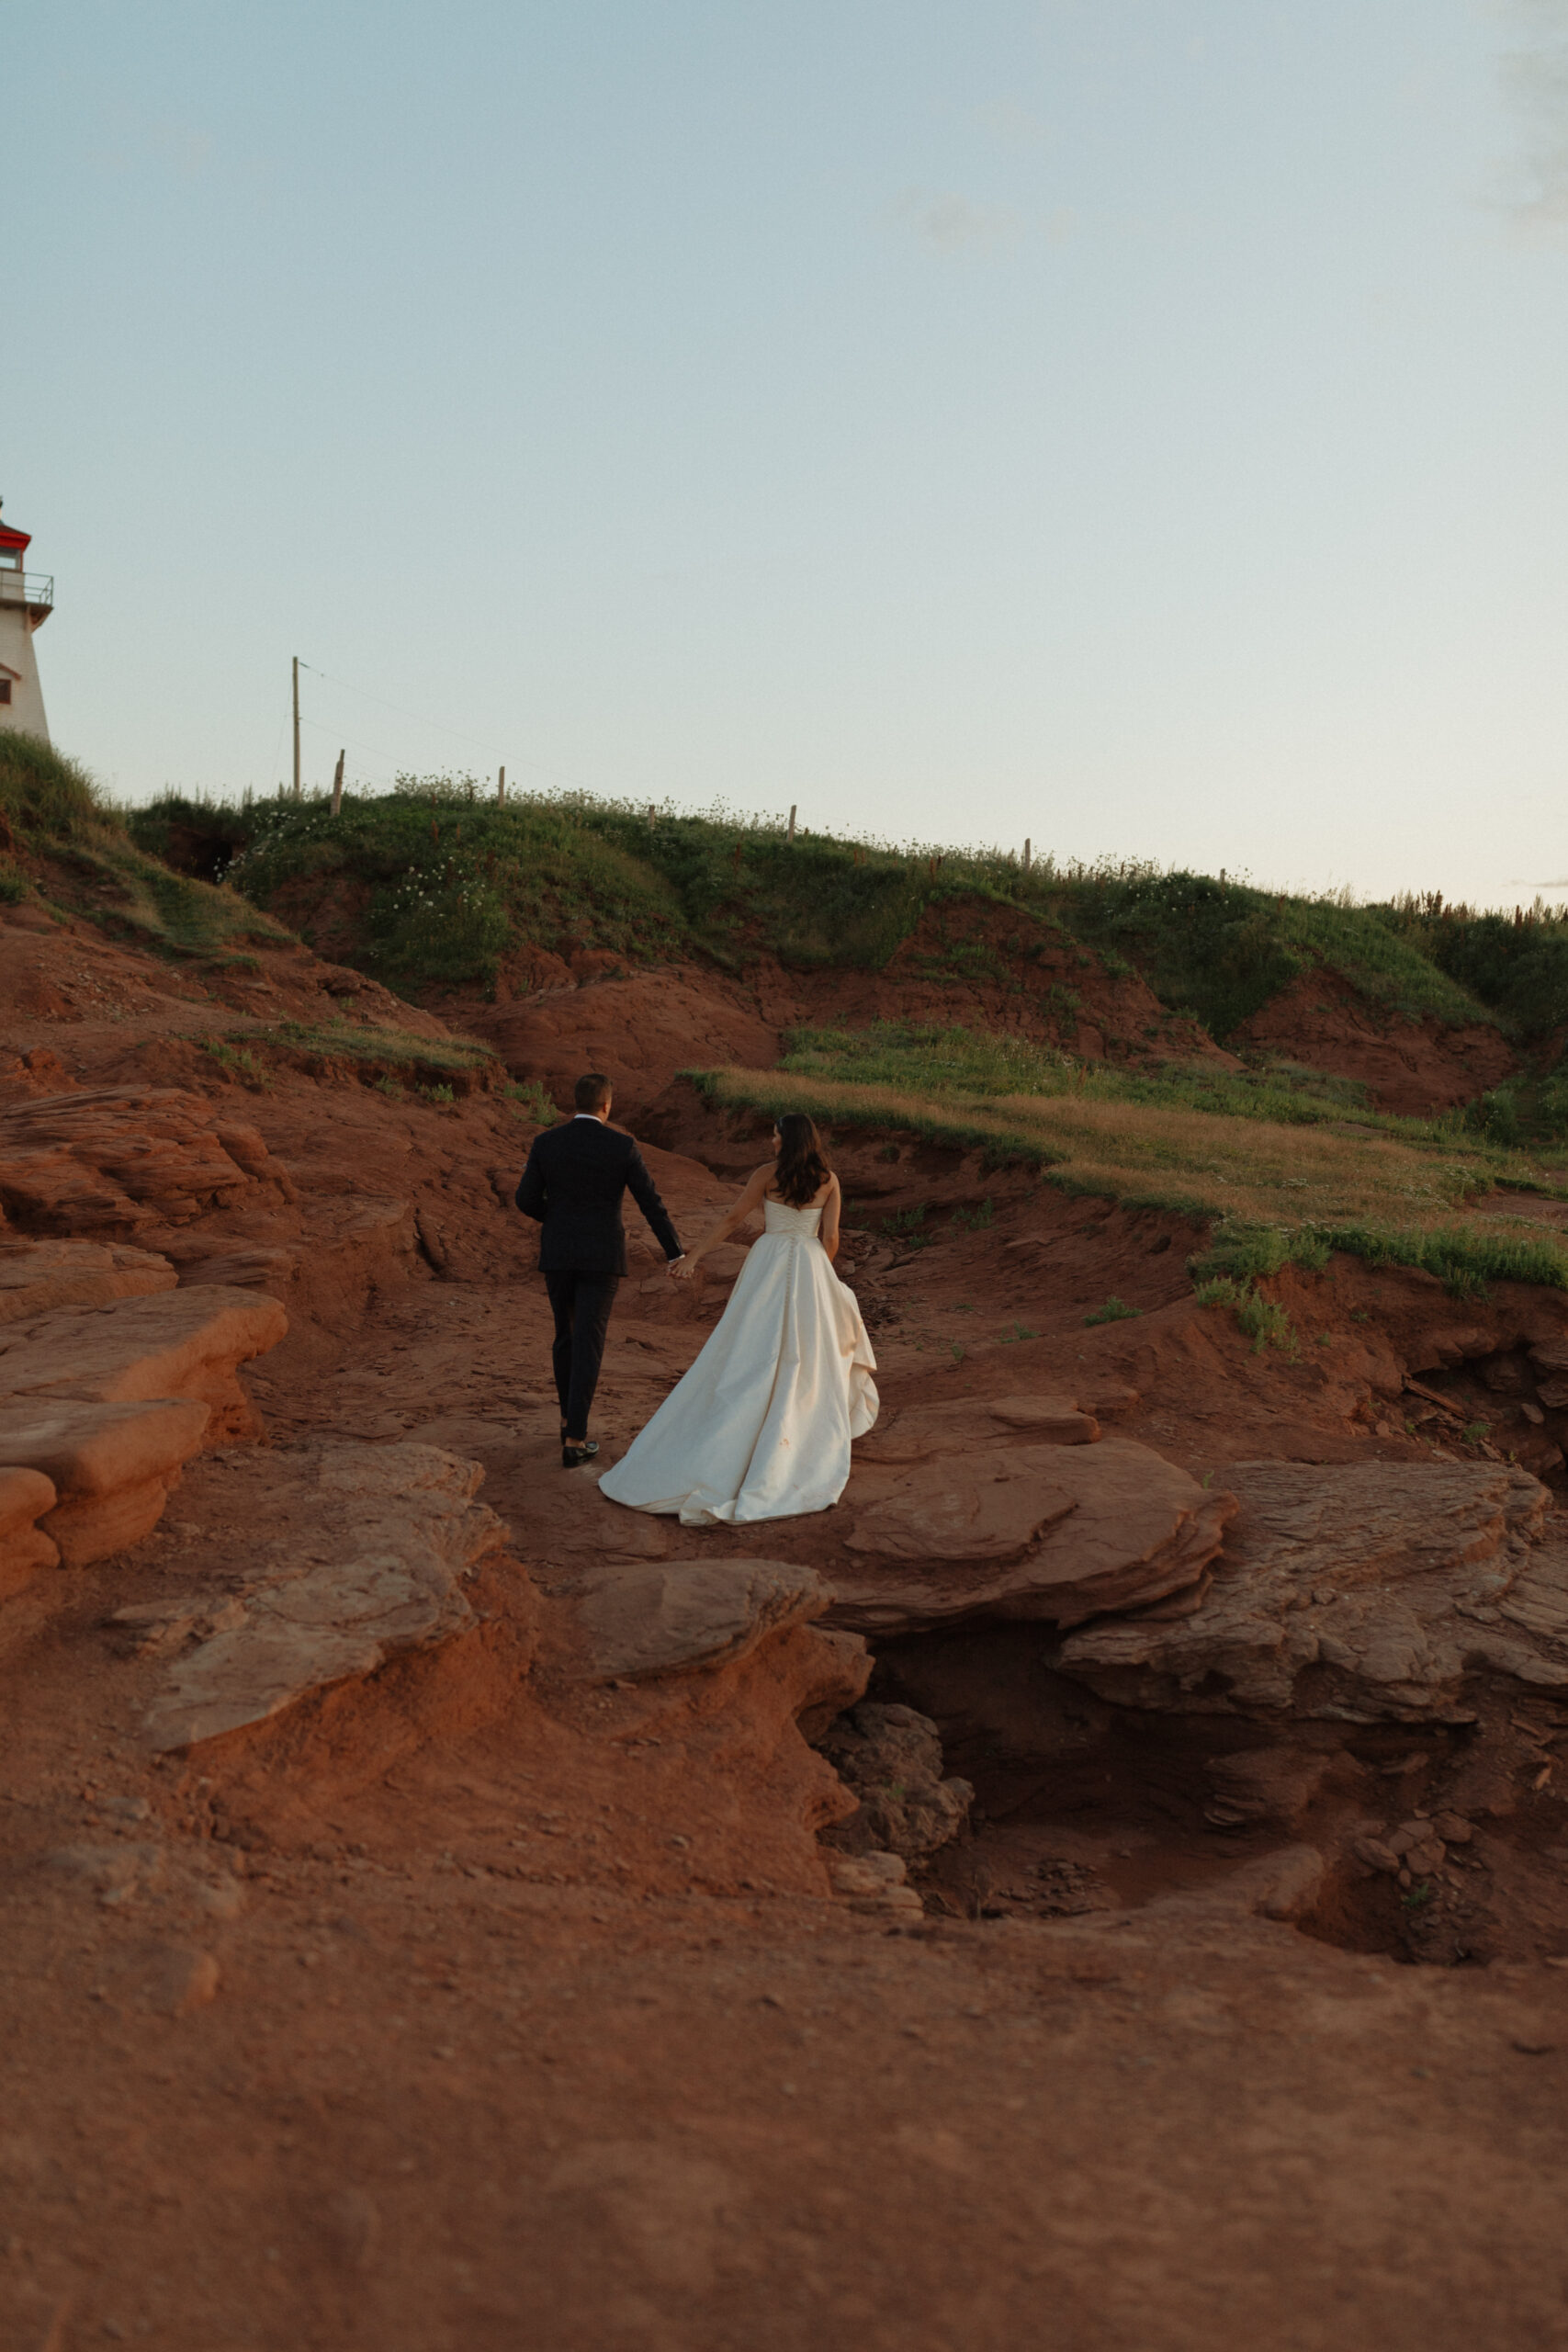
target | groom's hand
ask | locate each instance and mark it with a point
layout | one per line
(673, 1264)
(680, 1270)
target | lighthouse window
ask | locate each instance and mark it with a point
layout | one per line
(11, 558)
(5, 689)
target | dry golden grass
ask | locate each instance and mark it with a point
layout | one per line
(1244, 1171)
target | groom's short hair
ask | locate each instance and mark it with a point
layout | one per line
(593, 1092)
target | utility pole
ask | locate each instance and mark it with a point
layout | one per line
(1026, 849)
(296, 727)
(792, 809)
(337, 785)
(500, 787)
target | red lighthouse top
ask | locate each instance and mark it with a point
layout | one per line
(17, 540)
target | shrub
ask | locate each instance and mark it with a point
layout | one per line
(1114, 1310)
(1266, 1325)
(1251, 1253)
(974, 1220)
(237, 1059)
(531, 1101)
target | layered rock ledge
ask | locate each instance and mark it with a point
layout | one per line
(107, 1161)
(685, 1616)
(357, 1553)
(105, 1402)
(1056, 1532)
(1355, 1593)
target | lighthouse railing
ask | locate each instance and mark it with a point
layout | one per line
(26, 587)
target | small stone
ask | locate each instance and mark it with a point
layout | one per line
(180, 1979)
(224, 1899)
(1375, 1854)
(1452, 1828)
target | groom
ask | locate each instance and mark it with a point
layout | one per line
(572, 1185)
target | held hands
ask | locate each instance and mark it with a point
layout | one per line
(681, 1270)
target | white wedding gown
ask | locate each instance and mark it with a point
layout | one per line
(760, 1427)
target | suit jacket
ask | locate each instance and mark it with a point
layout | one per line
(573, 1185)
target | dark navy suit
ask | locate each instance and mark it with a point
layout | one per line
(573, 1185)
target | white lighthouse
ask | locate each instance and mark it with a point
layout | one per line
(27, 600)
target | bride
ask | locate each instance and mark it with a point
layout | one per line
(760, 1427)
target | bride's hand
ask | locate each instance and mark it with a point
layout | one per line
(681, 1269)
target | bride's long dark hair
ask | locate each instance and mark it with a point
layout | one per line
(802, 1171)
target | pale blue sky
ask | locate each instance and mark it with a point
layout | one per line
(1135, 424)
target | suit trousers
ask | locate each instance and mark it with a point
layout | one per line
(582, 1304)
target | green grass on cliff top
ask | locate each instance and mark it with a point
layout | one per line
(64, 840)
(435, 884)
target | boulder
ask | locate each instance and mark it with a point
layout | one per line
(920, 1431)
(357, 1552)
(1058, 1533)
(36, 1276)
(185, 1343)
(1354, 1592)
(103, 1161)
(890, 1758)
(25, 1497)
(685, 1616)
(111, 1465)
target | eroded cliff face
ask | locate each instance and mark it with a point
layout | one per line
(442, 1909)
(1409, 1066)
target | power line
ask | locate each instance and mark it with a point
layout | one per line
(458, 735)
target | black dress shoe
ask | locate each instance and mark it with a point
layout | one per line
(573, 1457)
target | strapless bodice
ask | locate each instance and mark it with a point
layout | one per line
(799, 1224)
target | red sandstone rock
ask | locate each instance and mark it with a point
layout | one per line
(375, 1540)
(108, 1161)
(684, 1616)
(25, 1496)
(36, 1276)
(638, 1030)
(1357, 1592)
(186, 1343)
(1058, 1533)
(111, 1465)
(920, 1431)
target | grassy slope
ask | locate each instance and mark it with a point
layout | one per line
(1220, 950)
(444, 883)
(60, 837)
(1277, 1177)
(62, 843)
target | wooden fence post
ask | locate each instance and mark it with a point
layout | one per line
(500, 787)
(337, 785)
(1026, 849)
(792, 809)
